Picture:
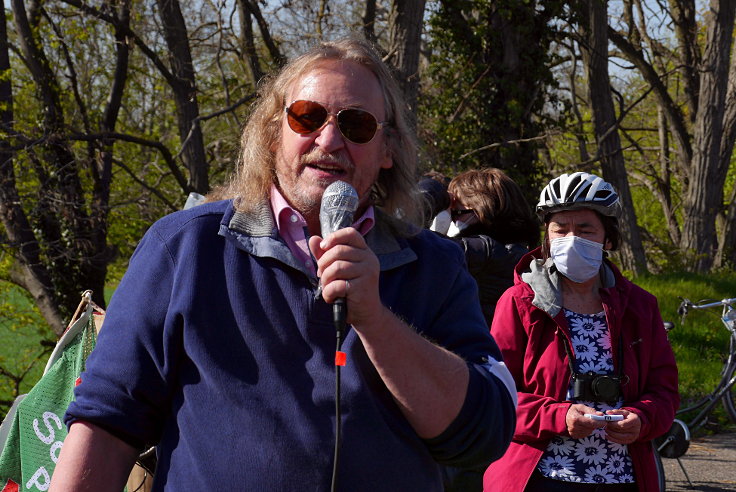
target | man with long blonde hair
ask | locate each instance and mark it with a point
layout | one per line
(393, 191)
(219, 345)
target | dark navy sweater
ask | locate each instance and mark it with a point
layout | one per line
(216, 348)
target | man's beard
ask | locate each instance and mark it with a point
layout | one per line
(301, 198)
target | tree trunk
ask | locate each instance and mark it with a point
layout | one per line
(184, 87)
(18, 230)
(62, 244)
(247, 43)
(369, 21)
(726, 256)
(683, 14)
(595, 57)
(665, 179)
(405, 25)
(579, 122)
(59, 236)
(704, 195)
(675, 119)
(95, 271)
(252, 7)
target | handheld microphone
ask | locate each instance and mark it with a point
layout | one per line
(339, 203)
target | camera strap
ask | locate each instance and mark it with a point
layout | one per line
(620, 367)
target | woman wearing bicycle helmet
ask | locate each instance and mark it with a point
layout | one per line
(582, 341)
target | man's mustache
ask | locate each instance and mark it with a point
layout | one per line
(317, 156)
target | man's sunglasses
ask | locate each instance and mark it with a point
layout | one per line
(457, 213)
(357, 125)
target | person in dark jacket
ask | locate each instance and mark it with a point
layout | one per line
(495, 225)
(219, 342)
(434, 197)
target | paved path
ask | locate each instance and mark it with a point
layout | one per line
(710, 462)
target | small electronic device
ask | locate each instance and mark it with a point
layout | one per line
(608, 418)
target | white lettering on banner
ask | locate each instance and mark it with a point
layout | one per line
(34, 480)
(54, 451)
(41, 479)
(46, 417)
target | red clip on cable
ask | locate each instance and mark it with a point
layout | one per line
(340, 358)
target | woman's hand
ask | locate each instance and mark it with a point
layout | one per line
(580, 426)
(624, 431)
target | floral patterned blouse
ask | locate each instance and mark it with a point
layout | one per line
(592, 459)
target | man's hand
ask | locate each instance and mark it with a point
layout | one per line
(348, 268)
(428, 382)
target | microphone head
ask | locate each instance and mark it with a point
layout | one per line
(339, 203)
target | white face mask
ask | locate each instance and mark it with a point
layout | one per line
(576, 258)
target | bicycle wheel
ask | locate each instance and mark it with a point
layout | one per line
(674, 442)
(661, 479)
(729, 399)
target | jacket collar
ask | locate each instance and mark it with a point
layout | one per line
(255, 232)
(545, 281)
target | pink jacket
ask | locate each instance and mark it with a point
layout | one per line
(530, 329)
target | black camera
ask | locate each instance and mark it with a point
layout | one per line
(596, 387)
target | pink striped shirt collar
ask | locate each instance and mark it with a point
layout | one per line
(292, 227)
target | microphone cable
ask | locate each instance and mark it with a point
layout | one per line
(336, 211)
(339, 313)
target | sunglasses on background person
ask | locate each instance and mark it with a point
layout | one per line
(357, 125)
(459, 213)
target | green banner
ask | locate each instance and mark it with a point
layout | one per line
(36, 432)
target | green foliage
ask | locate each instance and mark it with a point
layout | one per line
(25, 343)
(487, 83)
(662, 253)
(700, 341)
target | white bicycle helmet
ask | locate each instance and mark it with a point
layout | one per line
(578, 190)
